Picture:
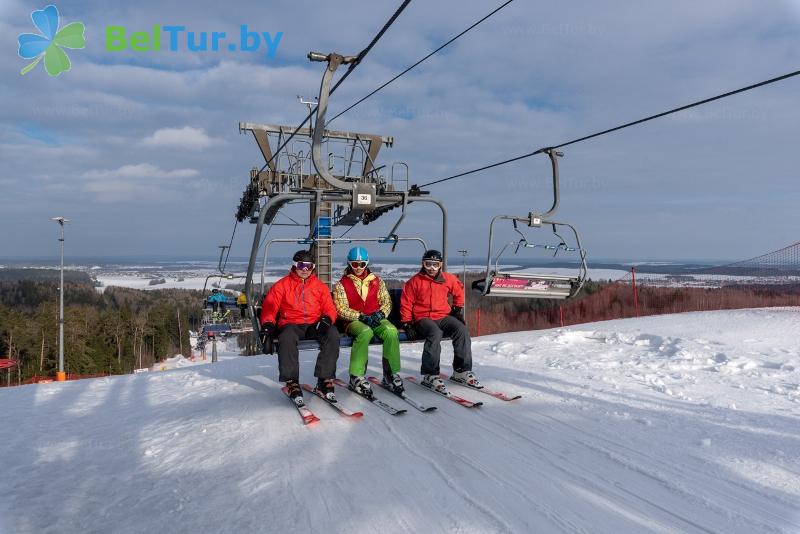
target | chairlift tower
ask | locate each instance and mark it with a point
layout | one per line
(335, 172)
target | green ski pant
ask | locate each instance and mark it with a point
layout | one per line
(359, 352)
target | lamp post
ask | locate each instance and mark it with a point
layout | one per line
(464, 265)
(61, 375)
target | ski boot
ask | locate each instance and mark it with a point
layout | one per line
(467, 378)
(295, 393)
(360, 385)
(435, 383)
(394, 383)
(325, 388)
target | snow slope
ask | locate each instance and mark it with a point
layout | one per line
(681, 423)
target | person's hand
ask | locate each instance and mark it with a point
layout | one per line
(458, 313)
(366, 319)
(372, 320)
(321, 327)
(377, 317)
(266, 334)
(411, 332)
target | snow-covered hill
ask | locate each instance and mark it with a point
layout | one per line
(682, 423)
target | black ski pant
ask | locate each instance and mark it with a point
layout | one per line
(288, 354)
(432, 332)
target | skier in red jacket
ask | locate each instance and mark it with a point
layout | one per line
(426, 313)
(301, 306)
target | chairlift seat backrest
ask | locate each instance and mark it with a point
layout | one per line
(529, 285)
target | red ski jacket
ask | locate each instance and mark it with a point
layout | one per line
(425, 297)
(298, 301)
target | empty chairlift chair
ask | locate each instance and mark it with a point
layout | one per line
(527, 284)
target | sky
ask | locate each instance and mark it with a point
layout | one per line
(141, 150)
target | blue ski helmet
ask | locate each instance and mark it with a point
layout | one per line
(358, 254)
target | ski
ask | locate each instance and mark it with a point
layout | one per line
(335, 405)
(419, 406)
(495, 394)
(455, 398)
(307, 415)
(388, 408)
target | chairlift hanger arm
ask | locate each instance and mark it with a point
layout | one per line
(554, 155)
(533, 218)
(334, 60)
(221, 254)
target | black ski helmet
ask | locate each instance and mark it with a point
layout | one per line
(432, 254)
(303, 255)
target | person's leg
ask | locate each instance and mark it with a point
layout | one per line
(328, 354)
(431, 350)
(391, 347)
(462, 343)
(288, 366)
(359, 352)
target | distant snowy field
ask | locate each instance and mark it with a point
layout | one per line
(191, 279)
(675, 423)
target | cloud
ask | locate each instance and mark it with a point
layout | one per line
(140, 170)
(187, 137)
(130, 183)
(118, 187)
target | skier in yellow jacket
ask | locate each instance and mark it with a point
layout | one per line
(363, 302)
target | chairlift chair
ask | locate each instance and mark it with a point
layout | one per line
(499, 283)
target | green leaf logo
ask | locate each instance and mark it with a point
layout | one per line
(49, 44)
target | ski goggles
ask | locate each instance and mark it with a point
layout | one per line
(304, 265)
(431, 264)
(357, 264)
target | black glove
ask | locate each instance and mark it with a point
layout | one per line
(372, 320)
(458, 313)
(411, 332)
(321, 327)
(266, 335)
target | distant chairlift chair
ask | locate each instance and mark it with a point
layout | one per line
(534, 285)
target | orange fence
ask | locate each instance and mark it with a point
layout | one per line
(635, 295)
(40, 379)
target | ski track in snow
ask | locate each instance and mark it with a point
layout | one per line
(681, 423)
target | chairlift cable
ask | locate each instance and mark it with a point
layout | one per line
(350, 69)
(626, 125)
(417, 63)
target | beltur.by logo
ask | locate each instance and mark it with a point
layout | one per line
(50, 44)
(177, 38)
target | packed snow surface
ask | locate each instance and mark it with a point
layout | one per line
(679, 423)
